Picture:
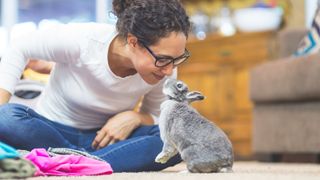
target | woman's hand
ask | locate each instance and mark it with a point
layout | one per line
(118, 128)
(4, 96)
(40, 66)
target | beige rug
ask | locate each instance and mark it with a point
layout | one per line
(242, 171)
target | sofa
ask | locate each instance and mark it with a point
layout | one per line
(286, 97)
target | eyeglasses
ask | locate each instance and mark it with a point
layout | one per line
(162, 61)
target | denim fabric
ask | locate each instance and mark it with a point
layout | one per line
(23, 128)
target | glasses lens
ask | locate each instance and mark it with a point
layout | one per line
(179, 61)
(163, 62)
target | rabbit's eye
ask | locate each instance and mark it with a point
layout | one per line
(179, 85)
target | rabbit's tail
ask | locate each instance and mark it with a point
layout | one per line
(226, 170)
(208, 167)
(202, 167)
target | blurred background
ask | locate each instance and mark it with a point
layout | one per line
(228, 39)
(23, 16)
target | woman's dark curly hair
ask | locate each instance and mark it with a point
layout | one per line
(150, 20)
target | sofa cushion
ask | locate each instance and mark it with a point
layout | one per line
(286, 127)
(287, 79)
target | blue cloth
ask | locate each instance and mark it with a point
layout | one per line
(7, 152)
(31, 130)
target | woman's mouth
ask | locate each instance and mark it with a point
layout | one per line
(158, 76)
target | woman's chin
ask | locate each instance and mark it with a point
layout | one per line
(151, 81)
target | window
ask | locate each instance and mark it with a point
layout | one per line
(3, 33)
(23, 16)
(60, 10)
(0, 13)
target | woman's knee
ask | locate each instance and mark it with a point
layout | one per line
(12, 112)
(154, 130)
(8, 121)
(10, 116)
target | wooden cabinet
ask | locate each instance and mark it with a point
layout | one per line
(219, 68)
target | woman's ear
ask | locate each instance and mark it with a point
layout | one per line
(132, 40)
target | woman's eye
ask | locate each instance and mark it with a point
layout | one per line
(164, 60)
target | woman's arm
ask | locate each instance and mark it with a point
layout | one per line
(40, 66)
(4, 96)
(58, 45)
(119, 127)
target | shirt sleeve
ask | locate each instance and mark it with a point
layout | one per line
(58, 45)
(153, 99)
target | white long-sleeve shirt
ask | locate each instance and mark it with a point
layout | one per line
(82, 91)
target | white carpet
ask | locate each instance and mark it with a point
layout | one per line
(242, 171)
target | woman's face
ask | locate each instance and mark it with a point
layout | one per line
(144, 62)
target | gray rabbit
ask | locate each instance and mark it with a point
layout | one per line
(202, 145)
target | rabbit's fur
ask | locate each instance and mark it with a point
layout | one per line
(202, 145)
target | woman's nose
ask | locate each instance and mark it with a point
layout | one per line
(167, 70)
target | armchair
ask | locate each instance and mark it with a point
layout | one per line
(286, 97)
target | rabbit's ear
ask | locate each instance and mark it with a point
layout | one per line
(194, 96)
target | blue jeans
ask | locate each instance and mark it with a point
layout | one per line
(23, 128)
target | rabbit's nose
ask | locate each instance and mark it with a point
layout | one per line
(167, 70)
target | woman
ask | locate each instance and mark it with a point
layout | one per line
(101, 72)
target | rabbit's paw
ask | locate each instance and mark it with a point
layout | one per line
(162, 158)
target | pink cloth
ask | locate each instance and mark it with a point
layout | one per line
(66, 165)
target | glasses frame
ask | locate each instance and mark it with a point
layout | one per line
(185, 55)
